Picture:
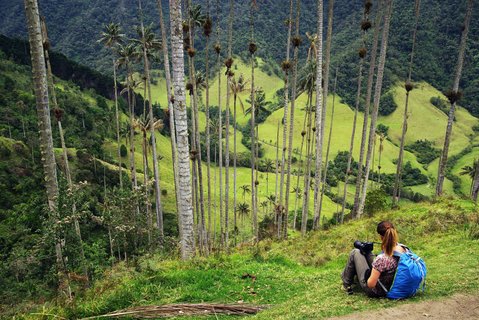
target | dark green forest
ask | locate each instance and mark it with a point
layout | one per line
(439, 32)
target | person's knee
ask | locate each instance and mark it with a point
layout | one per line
(354, 252)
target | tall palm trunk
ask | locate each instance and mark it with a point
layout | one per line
(171, 109)
(285, 211)
(146, 180)
(144, 149)
(303, 136)
(220, 121)
(117, 122)
(228, 64)
(207, 30)
(326, 160)
(40, 82)
(191, 61)
(362, 54)
(131, 108)
(286, 68)
(372, 67)
(319, 114)
(235, 226)
(185, 212)
(156, 171)
(453, 97)
(377, 96)
(254, 145)
(277, 162)
(310, 139)
(194, 172)
(351, 143)
(408, 86)
(58, 114)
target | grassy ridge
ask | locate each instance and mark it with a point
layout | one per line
(299, 278)
(422, 115)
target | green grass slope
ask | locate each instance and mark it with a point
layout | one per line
(425, 122)
(299, 278)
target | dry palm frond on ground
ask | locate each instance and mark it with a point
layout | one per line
(174, 310)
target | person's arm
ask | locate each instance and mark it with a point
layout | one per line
(373, 278)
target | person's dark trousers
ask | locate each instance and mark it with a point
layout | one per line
(357, 265)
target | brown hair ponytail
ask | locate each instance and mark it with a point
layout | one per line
(390, 236)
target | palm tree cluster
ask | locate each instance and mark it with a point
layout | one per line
(196, 205)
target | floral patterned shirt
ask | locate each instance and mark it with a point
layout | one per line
(387, 266)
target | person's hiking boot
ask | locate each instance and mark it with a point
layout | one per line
(347, 289)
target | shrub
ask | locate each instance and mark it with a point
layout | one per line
(412, 176)
(424, 151)
(381, 128)
(387, 104)
(266, 228)
(5, 152)
(123, 151)
(376, 200)
(440, 104)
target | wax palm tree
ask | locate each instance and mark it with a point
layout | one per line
(243, 210)
(283, 226)
(408, 86)
(58, 115)
(220, 123)
(40, 83)
(306, 83)
(237, 86)
(268, 165)
(326, 160)
(126, 55)
(470, 171)
(185, 212)
(377, 95)
(141, 124)
(453, 96)
(475, 183)
(207, 28)
(245, 189)
(171, 109)
(252, 47)
(145, 125)
(372, 68)
(261, 105)
(272, 199)
(286, 66)
(362, 54)
(195, 18)
(264, 205)
(327, 60)
(229, 74)
(111, 37)
(149, 43)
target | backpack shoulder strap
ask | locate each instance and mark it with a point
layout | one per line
(399, 254)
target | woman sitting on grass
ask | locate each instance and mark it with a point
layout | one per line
(374, 274)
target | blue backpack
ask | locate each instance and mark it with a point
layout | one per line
(410, 274)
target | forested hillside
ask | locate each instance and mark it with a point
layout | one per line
(75, 27)
(225, 153)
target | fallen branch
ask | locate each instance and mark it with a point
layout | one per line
(182, 309)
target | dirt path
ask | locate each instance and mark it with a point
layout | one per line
(456, 307)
